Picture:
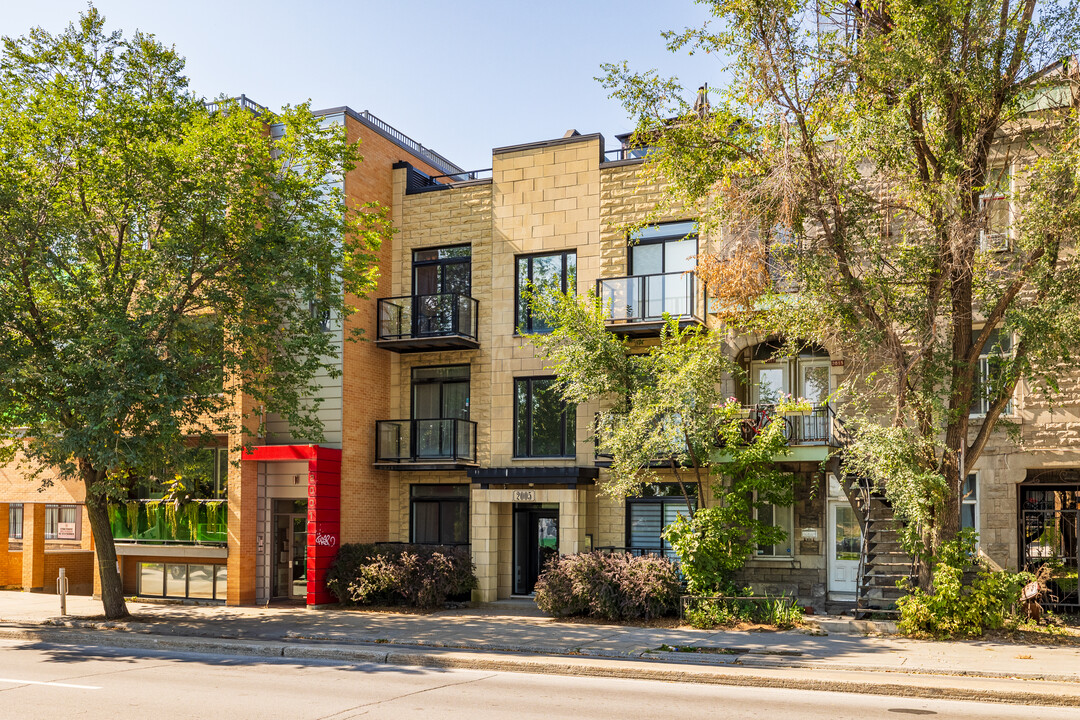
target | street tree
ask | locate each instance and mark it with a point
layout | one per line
(159, 259)
(910, 169)
(663, 416)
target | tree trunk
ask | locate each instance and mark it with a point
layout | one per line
(97, 510)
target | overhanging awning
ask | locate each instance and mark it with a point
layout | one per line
(566, 476)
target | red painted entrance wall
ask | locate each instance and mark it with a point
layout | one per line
(324, 509)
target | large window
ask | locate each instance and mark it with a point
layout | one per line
(995, 204)
(15, 522)
(442, 270)
(538, 274)
(781, 517)
(668, 248)
(182, 580)
(440, 399)
(991, 375)
(439, 514)
(203, 471)
(647, 515)
(969, 503)
(62, 522)
(544, 425)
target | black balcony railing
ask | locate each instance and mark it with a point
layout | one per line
(628, 153)
(816, 426)
(647, 298)
(448, 319)
(423, 441)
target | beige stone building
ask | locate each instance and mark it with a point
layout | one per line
(477, 453)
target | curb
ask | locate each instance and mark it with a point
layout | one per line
(1009, 690)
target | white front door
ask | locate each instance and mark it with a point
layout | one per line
(845, 543)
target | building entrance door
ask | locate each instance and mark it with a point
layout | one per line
(536, 541)
(845, 543)
(290, 549)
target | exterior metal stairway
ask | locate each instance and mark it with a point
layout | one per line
(883, 561)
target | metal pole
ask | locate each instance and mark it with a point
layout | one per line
(62, 590)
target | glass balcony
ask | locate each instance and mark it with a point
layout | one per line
(198, 522)
(418, 323)
(637, 304)
(441, 441)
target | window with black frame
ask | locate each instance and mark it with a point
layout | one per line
(62, 522)
(651, 512)
(661, 257)
(15, 521)
(439, 514)
(440, 401)
(544, 425)
(538, 274)
(442, 277)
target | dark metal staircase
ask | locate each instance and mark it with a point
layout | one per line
(883, 561)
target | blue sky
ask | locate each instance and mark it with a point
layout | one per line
(459, 76)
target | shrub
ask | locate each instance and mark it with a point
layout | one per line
(955, 609)
(707, 612)
(421, 576)
(609, 587)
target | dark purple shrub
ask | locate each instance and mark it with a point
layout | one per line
(609, 587)
(421, 576)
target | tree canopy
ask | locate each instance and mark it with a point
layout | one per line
(663, 418)
(158, 257)
(910, 169)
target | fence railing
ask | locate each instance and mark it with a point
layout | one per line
(425, 316)
(802, 427)
(404, 140)
(647, 298)
(243, 102)
(628, 153)
(417, 441)
(160, 522)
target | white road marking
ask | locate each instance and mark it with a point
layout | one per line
(52, 684)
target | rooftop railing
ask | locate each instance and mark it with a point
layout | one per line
(243, 102)
(405, 141)
(628, 153)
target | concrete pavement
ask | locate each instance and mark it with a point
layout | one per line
(515, 636)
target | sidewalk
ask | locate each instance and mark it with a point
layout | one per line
(513, 635)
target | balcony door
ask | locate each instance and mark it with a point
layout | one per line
(440, 277)
(661, 256)
(440, 395)
(769, 382)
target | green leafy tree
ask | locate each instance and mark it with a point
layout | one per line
(664, 412)
(909, 168)
(157, 261)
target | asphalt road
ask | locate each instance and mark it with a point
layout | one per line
(54, 681)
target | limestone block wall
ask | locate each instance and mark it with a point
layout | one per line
(456, 216)
(545, 197)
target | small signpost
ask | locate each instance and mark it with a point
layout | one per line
(62, 590)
